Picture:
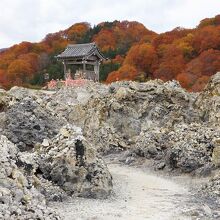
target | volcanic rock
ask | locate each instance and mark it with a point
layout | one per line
(28, 123)
(72, 163)
(19, 199)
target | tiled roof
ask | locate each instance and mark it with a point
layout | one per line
(79, 51)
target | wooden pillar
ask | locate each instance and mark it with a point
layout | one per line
(84, 66)
(64, 69)
(96, 70)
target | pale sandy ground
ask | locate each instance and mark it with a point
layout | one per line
(137, 195)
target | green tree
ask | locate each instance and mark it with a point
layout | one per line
(106, 68)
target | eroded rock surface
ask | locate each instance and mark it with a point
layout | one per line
(72, 163)
(28, 123)
(57, 135)
(209, 101)
(156, 120)
(43, 163)
(19, 199)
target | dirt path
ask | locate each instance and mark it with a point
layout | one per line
(137, 195)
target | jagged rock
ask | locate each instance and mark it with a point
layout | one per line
(45, 143)
(209, 101)
(72, 96)
(4, 103)
(154, 120)
(3, 120)
(192, 147)
(71, 163)
(28, 123)
(20, 93)
(119, 118)
(160, 166)
(19, 199)
(216, 153)
(205, 170)
(212, 188)
(122, 93)
(64, 132)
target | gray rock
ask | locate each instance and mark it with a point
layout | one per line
(154, 120)
(204, 171)
(160, 165)
(28, 123)
(129, 160)
(216, 153)
(45, 143)
(74, 165)
(18, 197)
(212, 187)
(209, 101)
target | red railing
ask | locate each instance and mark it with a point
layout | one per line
(55, 84)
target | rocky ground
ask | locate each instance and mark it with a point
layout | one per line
(52, 144)
(140, 193)
(137, 195)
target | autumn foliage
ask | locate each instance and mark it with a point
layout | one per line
(190, 56)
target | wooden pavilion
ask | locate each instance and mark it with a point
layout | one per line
(82, 54)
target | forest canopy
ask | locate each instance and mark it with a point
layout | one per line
(190, 56)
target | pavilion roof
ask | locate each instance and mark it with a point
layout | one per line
(81, 51)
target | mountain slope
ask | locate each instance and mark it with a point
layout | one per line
(189, 55)
(136, 53)
(27, 62)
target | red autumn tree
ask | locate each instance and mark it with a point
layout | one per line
(188, 55)
(207, 63)
(200, 84)
(32, 59)
(77, 31)
(126, 72)
(171, 64)
(3, 79)
(200, 69)
(206, 38)
(210, 21)
(118, 59)
(170, 36)
(22, 48)
(105, 40)
(143, 57)
(19, 71)
(186, 79)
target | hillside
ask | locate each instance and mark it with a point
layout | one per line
(136, 53)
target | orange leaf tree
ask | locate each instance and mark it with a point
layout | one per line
(126, 72)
